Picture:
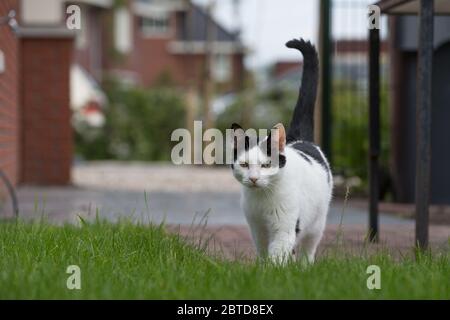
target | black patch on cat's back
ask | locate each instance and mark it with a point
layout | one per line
(297, 227)
(308, 149)
(281, 160)
(304, 156)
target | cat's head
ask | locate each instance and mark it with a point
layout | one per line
(257, 164)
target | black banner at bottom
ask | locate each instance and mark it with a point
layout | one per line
(225, 309)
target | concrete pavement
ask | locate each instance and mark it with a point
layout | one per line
(176, 194)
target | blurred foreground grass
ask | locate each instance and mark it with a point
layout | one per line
(132, 261)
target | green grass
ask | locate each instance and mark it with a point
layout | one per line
(129, 261)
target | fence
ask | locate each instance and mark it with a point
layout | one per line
(349, 99)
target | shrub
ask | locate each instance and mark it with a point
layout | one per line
(350, 130)
(259, 112)
(138, 125)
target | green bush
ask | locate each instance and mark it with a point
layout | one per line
(139, 123)
(350, 130)
(261, 111)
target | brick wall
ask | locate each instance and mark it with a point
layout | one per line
(88, 53)
(147, 61)
(150, 59)
(9, 101)
(282, 67)
(47, 134)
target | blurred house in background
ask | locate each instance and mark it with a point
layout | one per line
(285, 75)
(350, 58)
(281, 67)
(151, 42)
(143, 42)
(9, 97)
(52, 75)
(349, 64)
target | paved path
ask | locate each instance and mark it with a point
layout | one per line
(178, 195)
(234, 242)
(175, 207)
(183, 196)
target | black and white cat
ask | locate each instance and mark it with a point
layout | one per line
(286, 204)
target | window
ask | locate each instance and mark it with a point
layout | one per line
(221, 67)
(81, 38)
(123, 32)
(2, 62)
(155, 26)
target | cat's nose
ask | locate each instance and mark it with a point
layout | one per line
(253, 180)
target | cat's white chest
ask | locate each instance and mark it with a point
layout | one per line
(268, 211)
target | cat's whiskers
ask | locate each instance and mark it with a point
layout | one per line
(269, 190)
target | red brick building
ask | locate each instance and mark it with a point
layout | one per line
(35, 132)
(280, 68)
(9, 97)
(143, 41)
(140, 42)
(46, 141)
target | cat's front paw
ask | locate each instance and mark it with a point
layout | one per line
(280, 257)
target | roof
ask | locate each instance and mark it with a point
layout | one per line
(192, 20)
(411, 6)
(156, 8)
(166, 4)
(282, 67)
(356, 46)
(198, 29)
(97, 3)
(192, 34)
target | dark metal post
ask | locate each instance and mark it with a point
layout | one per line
(423, 120)
(374, 130)
(326, 76)
(12, 193)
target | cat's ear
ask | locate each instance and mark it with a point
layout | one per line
(266, 144)
(279, 137)
(235, 126)
(238, 132)
(238, 137)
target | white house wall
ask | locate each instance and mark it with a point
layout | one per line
(42, 12)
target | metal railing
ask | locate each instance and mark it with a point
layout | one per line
(12, 193)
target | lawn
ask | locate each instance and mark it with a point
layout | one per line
(131, 261)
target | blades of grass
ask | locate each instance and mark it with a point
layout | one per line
(132, 215)
(97, 216)
(162, 224)
(340, 232)
(83, 222)
(89, 209)
(191, 227)
(202, 228)
(36, 204)
(44, 202)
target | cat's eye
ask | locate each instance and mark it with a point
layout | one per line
(265, 165)
(244, 164)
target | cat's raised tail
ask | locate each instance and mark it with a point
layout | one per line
(302, 122)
